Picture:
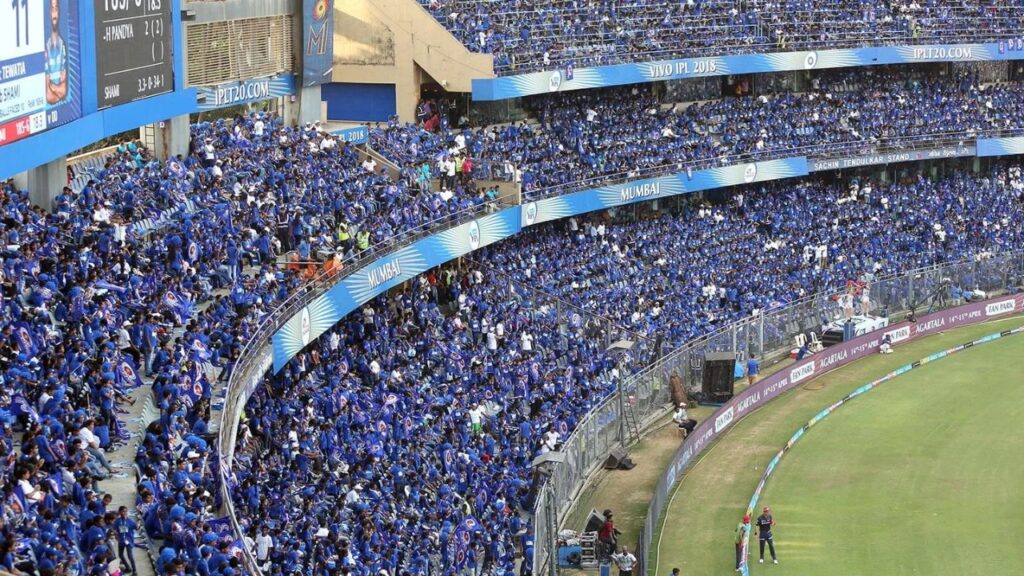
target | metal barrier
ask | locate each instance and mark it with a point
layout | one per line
(922, 290)
(826, 151)
(971, 28)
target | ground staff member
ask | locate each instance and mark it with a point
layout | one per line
(625, 561)
(741, 531)
(764, 533)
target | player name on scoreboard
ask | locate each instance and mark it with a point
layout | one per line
(133, 50)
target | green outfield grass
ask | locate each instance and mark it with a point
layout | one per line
(922, 475)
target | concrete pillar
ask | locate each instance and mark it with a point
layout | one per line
(168, 138)
(303, 107)
(45, 182)
(21, 180)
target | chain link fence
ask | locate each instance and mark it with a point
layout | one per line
(769, 335)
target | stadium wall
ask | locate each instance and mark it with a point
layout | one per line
(397, 42)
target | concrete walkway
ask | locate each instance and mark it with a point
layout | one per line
(122, 485)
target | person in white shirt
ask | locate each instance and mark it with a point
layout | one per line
(249, 543)
(264, 543)
(257, 127)
(551, 438)
(103, 213)
(370, 165)
(352, 498)
(91, 443)
(683, 421)
(29, 489)
(209, 152)
(527, 341)
(476, 416)
(492, 340)
(124, 340)
(846, 303)
(865, 300)
(625, 561)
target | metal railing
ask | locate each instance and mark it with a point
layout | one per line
(815, 151)
(765, 335)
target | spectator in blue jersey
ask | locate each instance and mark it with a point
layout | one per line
(753, 370)
(125, 527)
(558, 37)
(56, 59)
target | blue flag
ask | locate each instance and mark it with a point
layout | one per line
(463, 538)
(103, 284)
(200, 351)
(28, 344)
(193, 252)
(127, 375)
(20, 407)
(178, 305)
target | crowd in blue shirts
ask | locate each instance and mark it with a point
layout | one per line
(682, 276)
(164, 270)
(557, 34)
(585, 139)
(401, 442)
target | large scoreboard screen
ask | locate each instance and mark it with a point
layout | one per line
(134, 59)
(40, 66)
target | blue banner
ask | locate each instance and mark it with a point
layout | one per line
(520, 85)
(355, 135)
(317, 41)
(244, 92)
(1001, 146)
(963, 150)
(653, 188)
(391, 270)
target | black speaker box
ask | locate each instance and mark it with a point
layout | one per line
(594, 522)
(719, 370)
(619, 460)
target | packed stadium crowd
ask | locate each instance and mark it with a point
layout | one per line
(162, 270)
(553, 35)
(381, 448)
(402, 441)
(682, 276)
(588, 138)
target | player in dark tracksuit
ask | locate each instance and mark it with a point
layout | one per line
(764, 533)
